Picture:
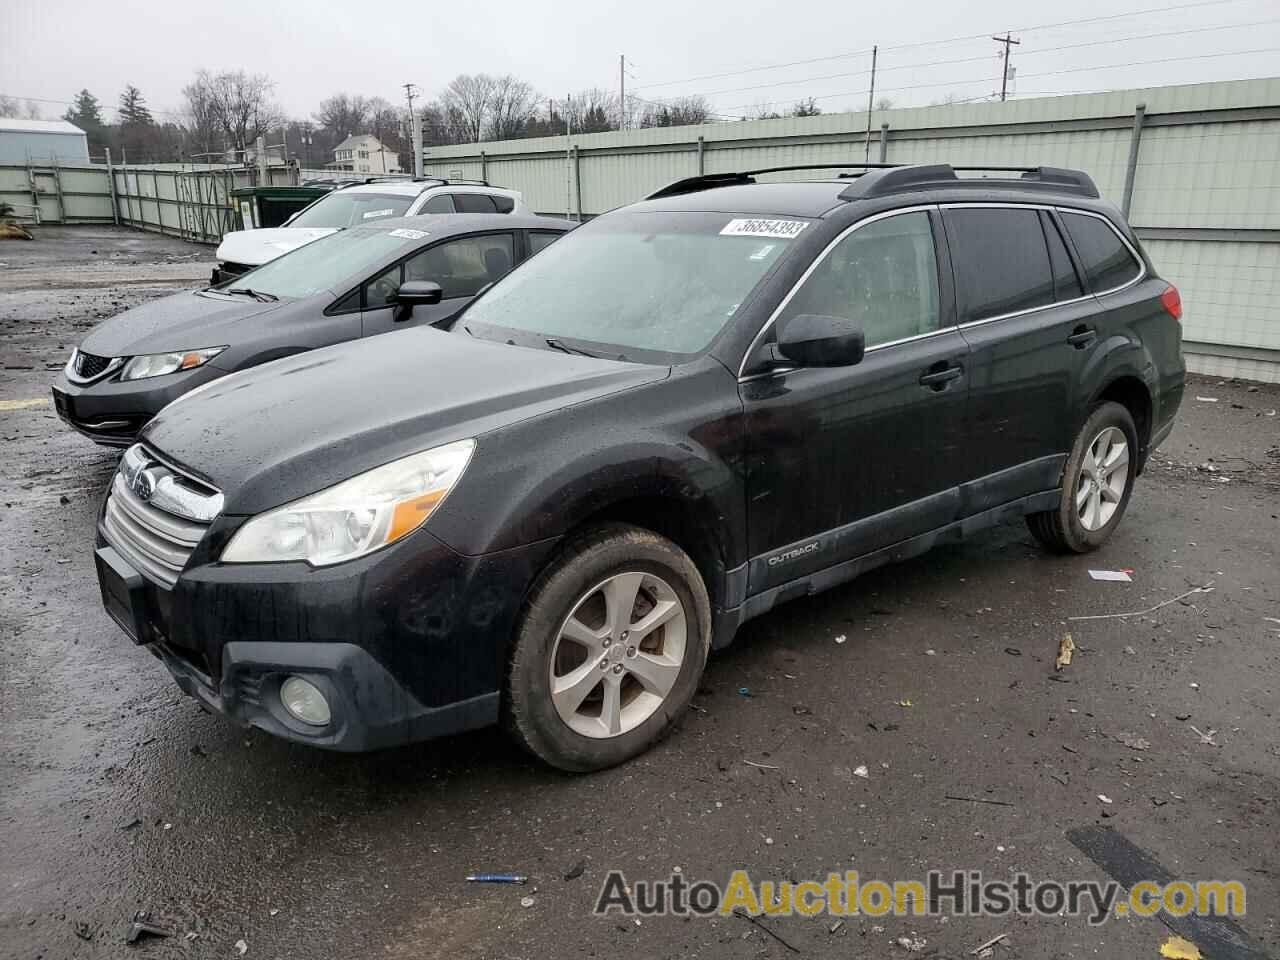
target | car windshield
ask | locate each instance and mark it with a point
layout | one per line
(348, 209)
(320, 265)
(634, 283)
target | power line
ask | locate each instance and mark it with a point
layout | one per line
(985, 57)
(929, 43)
(1050, 73)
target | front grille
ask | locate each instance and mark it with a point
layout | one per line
(155, 516)
(88, 366)
(230, 269)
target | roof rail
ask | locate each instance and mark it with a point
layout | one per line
(936, 175)
(709, 180)
(442, 180)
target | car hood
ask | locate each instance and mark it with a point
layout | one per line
(185, 321)
(256, 247)
(273, 433)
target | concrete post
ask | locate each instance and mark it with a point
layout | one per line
(884, 142)
(111, 184)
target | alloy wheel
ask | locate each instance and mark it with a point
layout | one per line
(618, 654)
(1104, 475)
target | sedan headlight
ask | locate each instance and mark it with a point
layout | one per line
(158, 364)
(355, 517)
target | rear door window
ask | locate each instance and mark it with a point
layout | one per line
(883, 275)
(1107, 261)
(1001, 261)
(474, 203)
(440, 203)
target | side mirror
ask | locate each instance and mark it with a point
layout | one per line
(418, 293)
(816, 341)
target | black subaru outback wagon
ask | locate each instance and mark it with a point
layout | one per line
(680, 415)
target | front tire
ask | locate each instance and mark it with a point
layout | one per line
(609, 650)
(1096, 484)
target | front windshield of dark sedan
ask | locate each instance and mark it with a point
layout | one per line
(336, 260)
(343, 209)
(663, 282)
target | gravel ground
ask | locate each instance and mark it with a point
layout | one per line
(120, 795)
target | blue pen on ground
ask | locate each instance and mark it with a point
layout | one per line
(496, 878)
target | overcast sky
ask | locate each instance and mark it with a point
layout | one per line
(49, 49)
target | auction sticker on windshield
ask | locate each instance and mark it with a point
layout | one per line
(782, 229)
(377, 213)
(404, 234)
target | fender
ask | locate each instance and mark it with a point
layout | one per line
(668, 457)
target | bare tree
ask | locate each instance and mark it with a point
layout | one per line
(467, 102)
(343, 114)
(593, 111)
(677, 112)
(884, 103)
(235, 104)
(8, 107)
(200, 116)
(32, 111)
(807, 107)
(512, 104)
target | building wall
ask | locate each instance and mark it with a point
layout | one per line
(17, 145)
(1205, 200)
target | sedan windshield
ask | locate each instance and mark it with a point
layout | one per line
(346, 209)
(661, 283)
(323, 264)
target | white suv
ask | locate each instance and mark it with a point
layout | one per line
(242, 250)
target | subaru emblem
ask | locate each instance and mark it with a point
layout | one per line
(143, 485)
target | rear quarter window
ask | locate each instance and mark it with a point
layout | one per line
(474, 203)
(1107, 261)
(504, 204)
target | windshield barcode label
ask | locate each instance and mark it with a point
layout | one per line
(781, 229)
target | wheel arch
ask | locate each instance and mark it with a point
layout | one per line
(1131, 392)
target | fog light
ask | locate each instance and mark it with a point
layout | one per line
(304, 701)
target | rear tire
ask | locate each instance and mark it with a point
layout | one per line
(609, 650)
(1096, 484)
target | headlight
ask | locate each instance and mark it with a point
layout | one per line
(355, 517)
(158, 364)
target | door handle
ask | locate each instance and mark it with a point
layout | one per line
(938, 378)
(1081, 337)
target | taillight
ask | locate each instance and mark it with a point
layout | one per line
(1172, 302)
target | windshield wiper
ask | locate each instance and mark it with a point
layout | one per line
(258, 295)
(555, 344)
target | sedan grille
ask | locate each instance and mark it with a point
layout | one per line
(90, 367)
(155, 516)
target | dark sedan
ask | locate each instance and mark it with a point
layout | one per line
(356, 283)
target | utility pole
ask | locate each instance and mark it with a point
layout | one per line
(871, 96)
(1008, 41)
(568, 156)
(622, 91)
(415, 131)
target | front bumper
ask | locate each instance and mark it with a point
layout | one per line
(407, 643)
(112, 412)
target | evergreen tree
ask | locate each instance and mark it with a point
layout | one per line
(133, 107)
(85, 112)
(87, 115)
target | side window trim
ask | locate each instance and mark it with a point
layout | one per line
(1142, 264)
(1049, 221)
(817, 261)
(1071, 250)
